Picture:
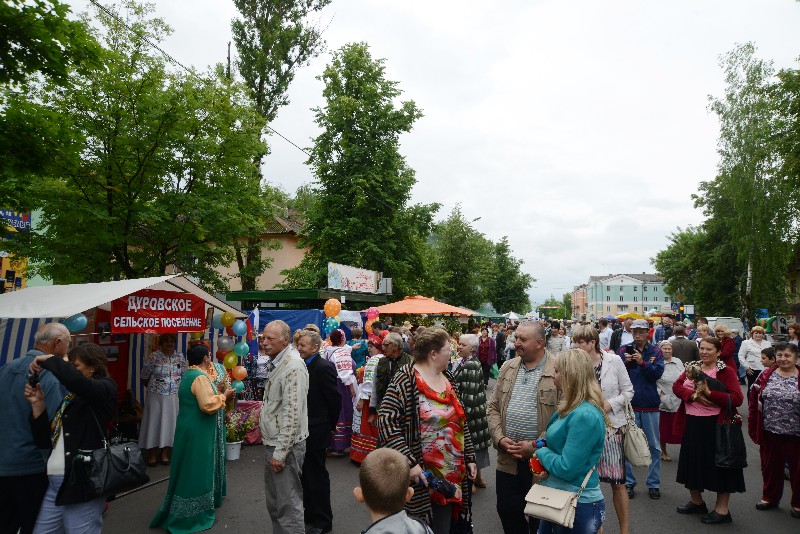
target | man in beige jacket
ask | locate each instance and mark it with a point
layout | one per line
(284, 429)
(524, 382)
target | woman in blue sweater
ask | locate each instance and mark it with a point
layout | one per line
(575, 437)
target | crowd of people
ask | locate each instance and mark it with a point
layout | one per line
(411, 406)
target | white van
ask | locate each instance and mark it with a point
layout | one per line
(734, 323)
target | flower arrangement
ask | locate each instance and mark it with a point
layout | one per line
(238, 425)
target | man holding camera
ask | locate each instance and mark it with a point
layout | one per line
(645, 364)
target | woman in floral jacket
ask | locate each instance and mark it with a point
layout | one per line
(468, 376)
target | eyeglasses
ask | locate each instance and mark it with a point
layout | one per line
(387, 344)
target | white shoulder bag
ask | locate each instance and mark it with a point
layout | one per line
(634, 441)
(554, 505)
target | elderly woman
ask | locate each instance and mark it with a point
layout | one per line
(774, 424)
(750, 354)
(673, 367)
(365, 434)
(422, 417)
(794, 334)
(340, 356)
(575, 439)
(728, 353)
(703, 331)
(617, 390)
(76, 426)
(161, 375)
(696, 421)
(197, 477)
(468, 377)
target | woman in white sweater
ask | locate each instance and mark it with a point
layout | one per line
(618, 391)
(750, 354)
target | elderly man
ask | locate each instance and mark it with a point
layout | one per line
(605, 334)
(663, 331)
(523, 401)
(324, 402)
(23, 474)
(645, 364)
(386, 369)
(284, 429)
(684, 349)
(622, 336)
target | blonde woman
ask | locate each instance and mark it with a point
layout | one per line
(728, 353)
(575, 437)
(750, 354)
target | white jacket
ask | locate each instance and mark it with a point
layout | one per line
(616, 386)
(750, 353)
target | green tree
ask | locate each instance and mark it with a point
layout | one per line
(508, 289)
(567, 305)
(461, 262)
(748, 194)
(150, 175)
(39, 38)
(552, 308)
(361, 215)
(274, 39)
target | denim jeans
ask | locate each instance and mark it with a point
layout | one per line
(589, 517)
(648, 422)
(84, 517)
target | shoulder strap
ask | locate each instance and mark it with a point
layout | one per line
(586, 480)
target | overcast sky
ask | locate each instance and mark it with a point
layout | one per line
(579, 128)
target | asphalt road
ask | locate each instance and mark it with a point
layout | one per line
(244, 510)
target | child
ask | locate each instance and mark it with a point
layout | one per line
(385, 487)
(768, 357)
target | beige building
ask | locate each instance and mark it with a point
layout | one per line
(284, 230)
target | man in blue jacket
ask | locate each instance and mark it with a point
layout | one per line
(645, 364)
(23, 474)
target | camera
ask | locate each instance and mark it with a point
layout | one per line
(445, 487)
(33, 379)
(630, 349)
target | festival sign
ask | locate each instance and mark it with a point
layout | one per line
(19, 220)
(157, 312)
(347, 278)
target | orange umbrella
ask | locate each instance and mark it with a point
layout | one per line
(419, 305)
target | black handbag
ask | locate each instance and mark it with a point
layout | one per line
(731, 451)
(112, 469)
(463, 523)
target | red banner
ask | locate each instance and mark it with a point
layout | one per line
(157, 312)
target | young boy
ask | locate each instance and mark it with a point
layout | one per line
(768, 357)
(385, 489)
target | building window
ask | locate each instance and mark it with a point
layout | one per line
(635, 308)
(645, 299)
(666, 299)
(622, 308)
(634, 299)
(644, 288)
(608, 308)
(608, 299)
(636, 288)
(608, 288)
(621, 299)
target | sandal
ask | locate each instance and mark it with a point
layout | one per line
(666, 457)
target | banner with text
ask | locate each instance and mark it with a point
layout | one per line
(157, 312)
(347, 278)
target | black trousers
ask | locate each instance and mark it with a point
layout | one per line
(486, 368)
(511, 491)
(20, 499)
(317, 491)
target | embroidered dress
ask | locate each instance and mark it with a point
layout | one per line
(197, 478)
(441, 426)
(365, 436)
(161, 403)
(344, 370)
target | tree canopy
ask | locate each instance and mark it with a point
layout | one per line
(148, 169)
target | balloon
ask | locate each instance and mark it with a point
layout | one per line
(368, 328)
(332, 308)
(225, 343)
(372, 313)
(196, 335)
(331, 324)
(231, 360)
(76, 323)
(216, 322)
(227, 318)
(221, 354)
(239, 372)
(338, 321)
(241, 349)
(239, 327)
(238, 385)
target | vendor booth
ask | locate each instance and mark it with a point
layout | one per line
(123, 317)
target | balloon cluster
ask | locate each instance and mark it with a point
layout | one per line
(332, 308)
(372, 316)
(228, 349)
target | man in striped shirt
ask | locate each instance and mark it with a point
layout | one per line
(523, 401)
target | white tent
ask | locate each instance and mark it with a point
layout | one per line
(59, 301)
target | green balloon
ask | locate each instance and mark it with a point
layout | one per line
(238, 385)
(241, 349)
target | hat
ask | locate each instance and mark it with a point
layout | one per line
(640, 323)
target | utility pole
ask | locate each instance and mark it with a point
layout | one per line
(228, 69)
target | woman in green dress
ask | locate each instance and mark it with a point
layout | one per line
(196, 484)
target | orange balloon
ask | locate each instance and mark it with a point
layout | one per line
(332, 307)
(239, 372)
